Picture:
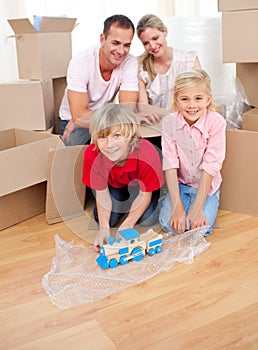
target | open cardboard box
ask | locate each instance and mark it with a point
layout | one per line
(44, 54)
(27, 104)
(239, 189)
(24, 162)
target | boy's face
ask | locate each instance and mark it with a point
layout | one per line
(192, 102)
(114, 145)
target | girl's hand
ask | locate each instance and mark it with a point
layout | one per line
(178, 220)
(101, 238)
(195, 218)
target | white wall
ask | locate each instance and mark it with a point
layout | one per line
(90, 16)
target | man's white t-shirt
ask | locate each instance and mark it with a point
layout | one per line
(84, 75)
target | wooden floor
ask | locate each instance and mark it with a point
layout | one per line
(210, 304)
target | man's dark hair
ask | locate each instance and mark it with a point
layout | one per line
(121, 21)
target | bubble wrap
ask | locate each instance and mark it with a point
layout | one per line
(75, 278)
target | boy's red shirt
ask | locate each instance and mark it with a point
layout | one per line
(143, 167)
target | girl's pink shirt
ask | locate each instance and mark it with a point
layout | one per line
(191, 149)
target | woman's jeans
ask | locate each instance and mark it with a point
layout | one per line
(188, 195)
(122, 199)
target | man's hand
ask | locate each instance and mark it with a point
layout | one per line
(70, 127)
(101, 237)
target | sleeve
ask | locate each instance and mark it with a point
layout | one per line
(78, 75)
(130, 74)
(169, 148)
(93, 175)
(151, 176)
(216, 147)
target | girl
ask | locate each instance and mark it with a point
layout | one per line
(124, 171)
(193, 148)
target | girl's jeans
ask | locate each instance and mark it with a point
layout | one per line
(122, 199)
(188, 195)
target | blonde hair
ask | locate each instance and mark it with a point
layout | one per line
(146, 59)
(191, 78)
(111, 115)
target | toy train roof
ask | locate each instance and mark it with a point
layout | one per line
(129, 233)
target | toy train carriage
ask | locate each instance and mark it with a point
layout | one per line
(129, 246)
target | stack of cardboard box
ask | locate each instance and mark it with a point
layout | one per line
(29, 105)
(239, 191)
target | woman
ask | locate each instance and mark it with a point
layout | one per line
(160, 64)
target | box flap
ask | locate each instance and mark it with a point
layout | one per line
(56, 24)
(21, 26)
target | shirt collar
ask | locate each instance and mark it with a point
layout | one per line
(130, 164)
(199, 124)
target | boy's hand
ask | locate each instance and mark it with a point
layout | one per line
(101, 238)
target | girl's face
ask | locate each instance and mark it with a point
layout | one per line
(154, 41)
(192, 102)
(114, 145)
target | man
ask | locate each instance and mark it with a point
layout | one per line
(95, 76)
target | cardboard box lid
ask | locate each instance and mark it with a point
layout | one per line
(48, 25)
(236, 5)
(24, 159)
(65, 194)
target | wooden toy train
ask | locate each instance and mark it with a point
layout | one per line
(131, 246)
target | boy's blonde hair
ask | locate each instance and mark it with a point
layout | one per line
(118, 115)
(191, 78)
(146, 59)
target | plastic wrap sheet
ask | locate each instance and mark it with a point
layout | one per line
(75, 278)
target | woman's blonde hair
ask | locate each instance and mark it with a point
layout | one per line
(191, 78)
(146, 59)
(118, 115)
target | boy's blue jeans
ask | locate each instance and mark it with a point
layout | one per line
(122, 199)
(188, 195)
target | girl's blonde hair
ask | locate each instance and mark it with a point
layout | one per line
(118, 115)
(146, 59)
(192, 78)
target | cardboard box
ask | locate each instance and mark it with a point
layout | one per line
(59, 86)
(27, 105)
(237, 5)
(250, 120)
(239, 36)
(65, 191)
(247, 73)
(24, 162)
(239, 189)
(44, 54)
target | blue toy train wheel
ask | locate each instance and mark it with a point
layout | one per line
(113, 263)
(151, 251)
(158, 249)
(137, 254)
(123, 260)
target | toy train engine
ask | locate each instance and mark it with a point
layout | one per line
(129, 246)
